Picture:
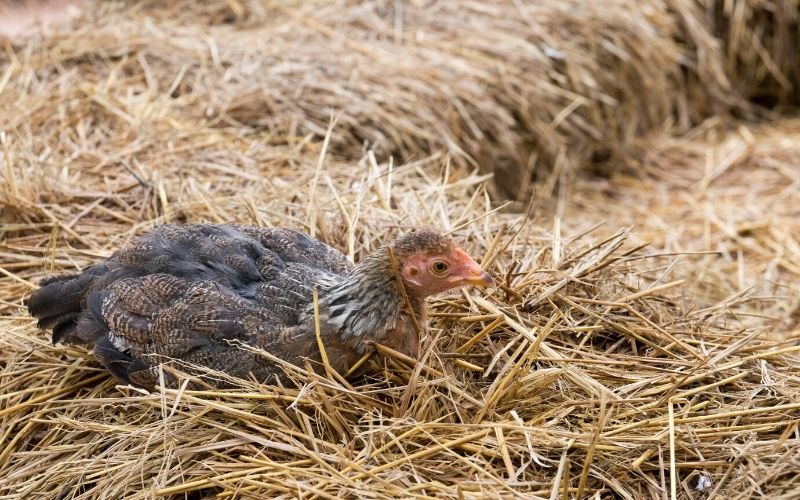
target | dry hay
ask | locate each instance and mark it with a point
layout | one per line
(518, 89)
(524, 91)
(585, 373)
(599, 366)
(728, 195)
(760, 40)
(521, 90)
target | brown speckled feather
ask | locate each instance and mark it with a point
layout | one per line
(186, 292)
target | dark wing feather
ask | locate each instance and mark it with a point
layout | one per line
(195, 322)
(185, 292)
(299, 248)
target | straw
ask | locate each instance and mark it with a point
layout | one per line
(644, 344)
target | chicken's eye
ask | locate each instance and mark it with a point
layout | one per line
(439, 267)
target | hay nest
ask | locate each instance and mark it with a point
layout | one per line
(595, 369)
(584, 372)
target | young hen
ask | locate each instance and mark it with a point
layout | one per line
(195, 292)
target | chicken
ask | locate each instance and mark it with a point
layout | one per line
(197, 292)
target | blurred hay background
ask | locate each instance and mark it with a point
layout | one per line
(759, 40)
(644, 342)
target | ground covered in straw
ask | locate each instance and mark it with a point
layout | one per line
(644, 339)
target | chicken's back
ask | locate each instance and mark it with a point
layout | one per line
(183, 289)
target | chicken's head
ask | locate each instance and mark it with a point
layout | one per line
(431, 263)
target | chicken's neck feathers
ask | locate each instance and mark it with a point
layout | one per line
(366, 303)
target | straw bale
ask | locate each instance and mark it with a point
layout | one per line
(523, 91)
(520, 89)
(517, 89)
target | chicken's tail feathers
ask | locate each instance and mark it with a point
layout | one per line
(65, 304)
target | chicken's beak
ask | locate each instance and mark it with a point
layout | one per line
(471, 273)
(485, 280)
